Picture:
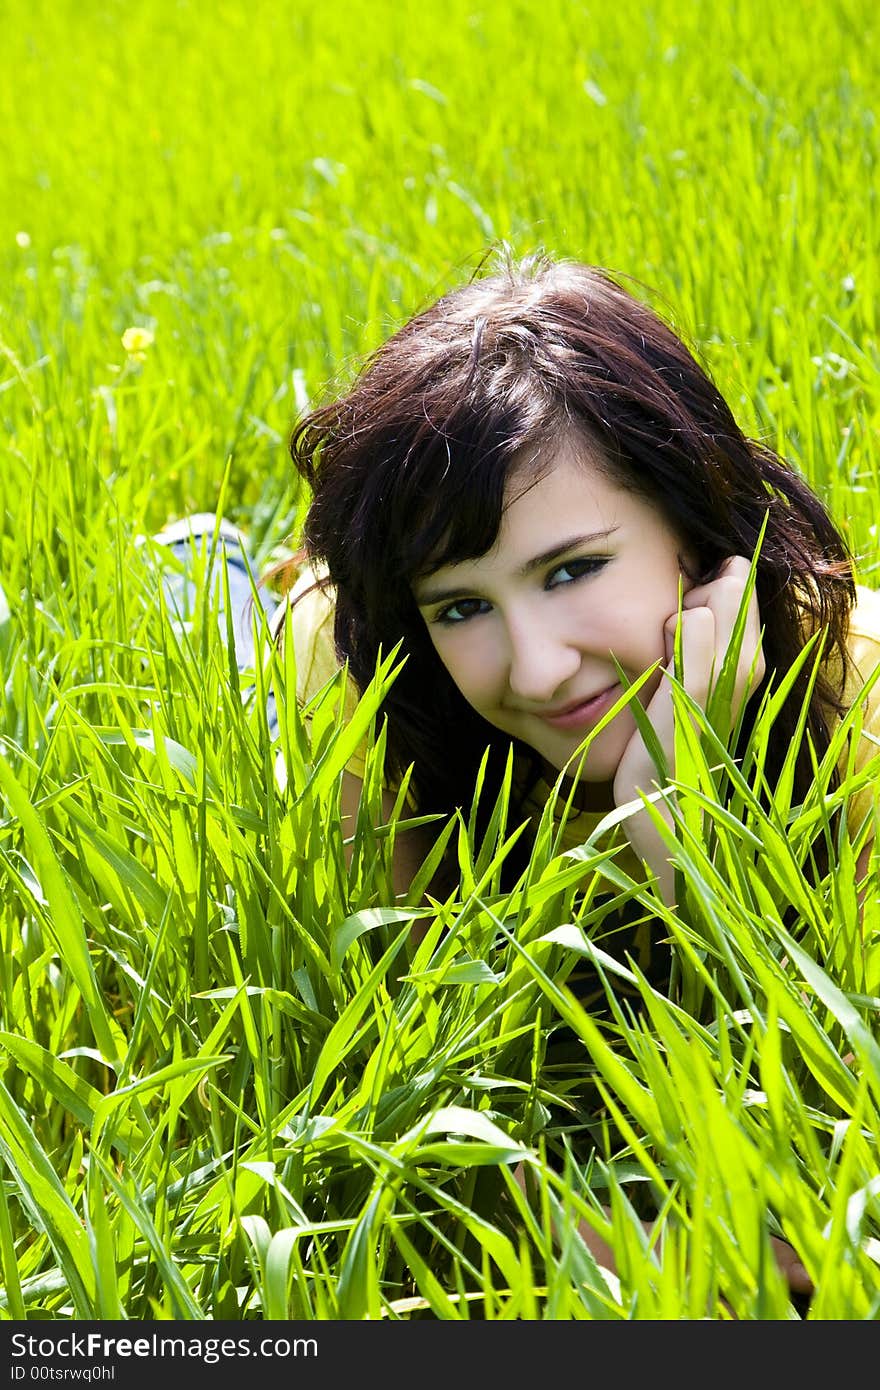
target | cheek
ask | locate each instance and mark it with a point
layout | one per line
(649, 689)
(469, 662)
(632, 629)
(644, 608)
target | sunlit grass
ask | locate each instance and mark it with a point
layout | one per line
(235, 1084)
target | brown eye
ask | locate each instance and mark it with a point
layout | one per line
(462, 610)
(573, 570)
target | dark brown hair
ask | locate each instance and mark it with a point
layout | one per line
(408, 467)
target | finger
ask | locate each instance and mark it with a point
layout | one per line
(750, 663)
(697, 648)
(724, 596)
(790, 1266)
(725, 588)
(698, 644)
(735, 568)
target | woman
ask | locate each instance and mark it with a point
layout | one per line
(536, 490)
(538, 496)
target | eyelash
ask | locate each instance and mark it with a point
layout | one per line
(588, 565)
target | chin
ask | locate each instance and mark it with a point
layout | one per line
(602, 759)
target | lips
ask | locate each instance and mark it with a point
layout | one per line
(584, 714)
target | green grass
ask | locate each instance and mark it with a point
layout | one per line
(232, 1084)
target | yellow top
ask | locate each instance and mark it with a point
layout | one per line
(311, 627)
(317, 663)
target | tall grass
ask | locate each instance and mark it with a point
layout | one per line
(235, 1084)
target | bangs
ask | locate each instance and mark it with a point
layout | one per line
(450, 497)
(453, 512)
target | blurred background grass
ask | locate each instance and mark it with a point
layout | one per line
(270, 188)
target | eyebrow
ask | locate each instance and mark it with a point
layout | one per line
(426, 597)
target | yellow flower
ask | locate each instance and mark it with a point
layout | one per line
(136, 341)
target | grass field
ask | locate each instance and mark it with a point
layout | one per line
(231, 1086)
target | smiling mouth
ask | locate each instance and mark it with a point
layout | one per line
(585, 714)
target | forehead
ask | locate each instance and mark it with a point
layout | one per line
(542, 488)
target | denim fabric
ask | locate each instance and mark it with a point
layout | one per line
(229, 559)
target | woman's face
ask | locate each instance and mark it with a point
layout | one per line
(582, 571)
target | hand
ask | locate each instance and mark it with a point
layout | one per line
(790, 1266)
(786, 1257)
(709, 613)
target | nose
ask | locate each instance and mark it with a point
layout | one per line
(541, 661)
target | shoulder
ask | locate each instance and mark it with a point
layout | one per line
(865, 616)
(863, 647)
(863, 636)
(307, 614)
(309, 601)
